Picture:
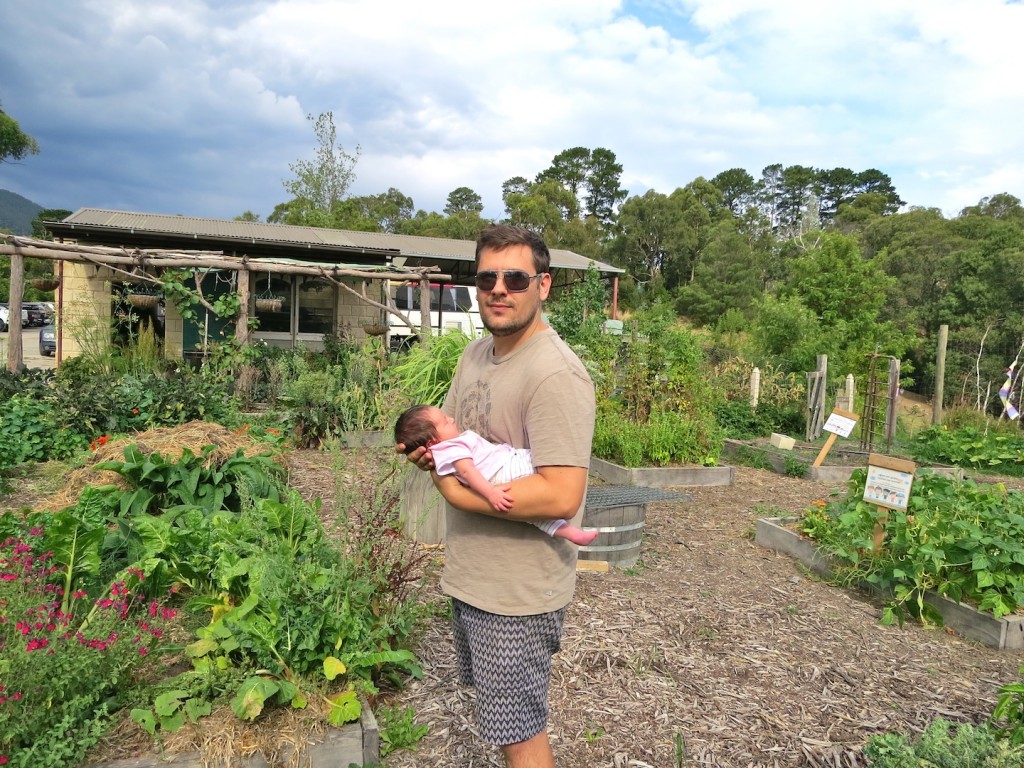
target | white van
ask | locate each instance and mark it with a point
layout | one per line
(451, 307)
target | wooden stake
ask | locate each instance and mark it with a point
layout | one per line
(879, 532)
(825, 449)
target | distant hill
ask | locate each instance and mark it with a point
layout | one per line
(17, 213)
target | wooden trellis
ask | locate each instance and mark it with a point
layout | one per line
(880, 410)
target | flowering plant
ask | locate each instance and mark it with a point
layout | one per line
(62, 670)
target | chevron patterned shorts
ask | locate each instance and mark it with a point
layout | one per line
(508, 660)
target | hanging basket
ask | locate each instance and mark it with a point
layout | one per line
(143, 300)
(44, 283)
(269, 305)
(375, 330)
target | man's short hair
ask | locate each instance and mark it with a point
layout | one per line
(413, 429)
(498, 237)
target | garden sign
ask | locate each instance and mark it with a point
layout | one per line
(840, 423)
(887, 487)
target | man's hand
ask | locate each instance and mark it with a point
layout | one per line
(421, 457)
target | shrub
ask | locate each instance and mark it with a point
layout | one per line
(64, 666)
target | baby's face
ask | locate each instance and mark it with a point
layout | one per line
(444, 425)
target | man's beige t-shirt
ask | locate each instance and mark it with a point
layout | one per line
(538, 397)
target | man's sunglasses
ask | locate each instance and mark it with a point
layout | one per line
(516, 280)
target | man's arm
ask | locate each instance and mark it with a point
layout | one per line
(552, 493)
(496, 496)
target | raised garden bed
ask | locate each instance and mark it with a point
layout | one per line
(660, 477)
(353, 744)
(1005, 633)
(838, 465)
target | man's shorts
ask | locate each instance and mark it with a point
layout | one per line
(508, 660)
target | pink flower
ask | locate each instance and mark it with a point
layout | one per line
(143, 651)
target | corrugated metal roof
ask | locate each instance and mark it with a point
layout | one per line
(403, 247)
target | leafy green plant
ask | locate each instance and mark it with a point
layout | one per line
(794, 467)
(972, 448)
(956, 538)
(398, 729)
(944, 746)
(1008, 715)
(425, 371)
(170, 711)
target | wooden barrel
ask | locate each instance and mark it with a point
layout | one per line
(620, 529)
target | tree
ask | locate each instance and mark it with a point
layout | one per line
(39, 232)
(846, 293)
(728, 277)
(326, 180)
(738, 190)
(594, 172)
(247, 216)
(700, 207)
(373, 213)
(15, 144)
(647, 235)
(463, 199)
(604, 193)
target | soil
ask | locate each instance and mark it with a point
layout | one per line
(711, 651)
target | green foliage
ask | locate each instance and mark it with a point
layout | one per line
(969, 447)
(1008, 716)
(425, 371)
(578, 312)
(65, 666)
(157, 482)
(942, 745)
(958, 539)
(398, 729)
(655, 404)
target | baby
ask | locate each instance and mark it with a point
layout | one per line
(476, 462)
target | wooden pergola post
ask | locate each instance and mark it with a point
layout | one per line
(15, 352)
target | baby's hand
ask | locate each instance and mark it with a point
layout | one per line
(500, 499)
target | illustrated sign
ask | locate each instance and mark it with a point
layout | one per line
(840, 422)
(889, 481)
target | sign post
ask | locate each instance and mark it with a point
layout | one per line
(887, 487)
(839, 424)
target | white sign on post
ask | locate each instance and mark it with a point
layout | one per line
(838, 424)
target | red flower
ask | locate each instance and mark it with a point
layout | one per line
(135, 411)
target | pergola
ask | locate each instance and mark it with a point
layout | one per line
(143, 265)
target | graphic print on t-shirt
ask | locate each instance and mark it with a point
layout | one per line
(475, 413)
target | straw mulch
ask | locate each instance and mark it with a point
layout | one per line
(724, 651)
(169, 442)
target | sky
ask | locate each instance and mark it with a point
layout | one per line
(199, 107)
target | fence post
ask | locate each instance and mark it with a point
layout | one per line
(755, 387)
(940, 374)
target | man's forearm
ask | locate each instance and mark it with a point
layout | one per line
(552, 493)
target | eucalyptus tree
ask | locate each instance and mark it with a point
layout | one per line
(326, 179)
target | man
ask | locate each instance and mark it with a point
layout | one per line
(511, 584)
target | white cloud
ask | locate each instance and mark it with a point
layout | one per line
(200, 106)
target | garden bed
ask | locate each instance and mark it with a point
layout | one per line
(842, 462)
(660, 477)
(353, 744)
(1004, 633)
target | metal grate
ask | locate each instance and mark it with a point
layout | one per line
(604, 496)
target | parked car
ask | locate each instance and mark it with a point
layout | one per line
(5, 321)
(47, 341)
(38, 312)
